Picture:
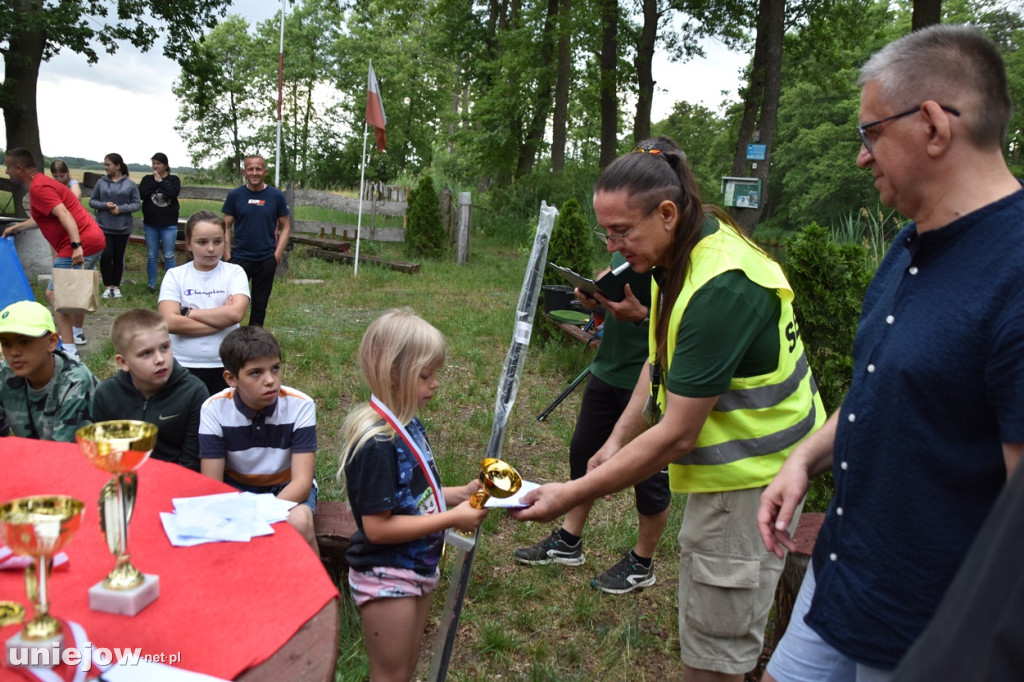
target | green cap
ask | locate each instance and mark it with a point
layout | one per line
(27, 318)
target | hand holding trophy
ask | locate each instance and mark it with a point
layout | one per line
(120, 447)
(38, 527)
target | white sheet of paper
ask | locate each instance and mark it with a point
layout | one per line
(223, 517)
(512, 502)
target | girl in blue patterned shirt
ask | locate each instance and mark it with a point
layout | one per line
(394, 489)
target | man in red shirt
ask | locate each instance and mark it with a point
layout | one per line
(67, 226)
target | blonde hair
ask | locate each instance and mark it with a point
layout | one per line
(132, 323)
(395, 349)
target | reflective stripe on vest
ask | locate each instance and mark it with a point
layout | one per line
(755, 425)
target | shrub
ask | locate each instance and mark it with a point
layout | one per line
(829, 281)
(425, 234)
(572, 243)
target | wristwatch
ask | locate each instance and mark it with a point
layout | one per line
(76, 245)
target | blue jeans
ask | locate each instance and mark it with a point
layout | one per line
(65, 263)
(159, 240)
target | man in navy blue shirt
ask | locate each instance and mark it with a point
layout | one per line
(932, 424)
(258, 215)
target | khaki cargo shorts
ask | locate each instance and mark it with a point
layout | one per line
(727, 581)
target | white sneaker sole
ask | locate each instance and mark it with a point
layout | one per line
(646, 582)
(565, 561)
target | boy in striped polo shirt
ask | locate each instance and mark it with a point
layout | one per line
(258, 435)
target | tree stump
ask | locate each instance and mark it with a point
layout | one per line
(793, 572)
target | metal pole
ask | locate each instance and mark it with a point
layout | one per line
(362, 189)
(564, 394)
(526, 308)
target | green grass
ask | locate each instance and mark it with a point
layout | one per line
(521, 623)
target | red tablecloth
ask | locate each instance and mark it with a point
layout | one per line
(223, 607)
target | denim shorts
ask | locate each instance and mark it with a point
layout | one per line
(388, 582)
(65, 263)
(803, 656)
(274, 490)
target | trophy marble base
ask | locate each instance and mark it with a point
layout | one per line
(44, 653)
(128, 602)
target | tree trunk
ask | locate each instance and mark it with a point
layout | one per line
(609, 105)
(542, 100)
(926, 13)
(560, 118)
(761, 105)
(18, 91)
(644, 71)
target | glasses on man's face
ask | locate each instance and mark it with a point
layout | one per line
(866, 138)
(620, 237)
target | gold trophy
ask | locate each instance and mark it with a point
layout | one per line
(120, 447)
(38, 527)
(498, 479)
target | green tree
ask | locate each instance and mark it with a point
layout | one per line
(218, 104)
(33, 31)
(707, 141)
(829, 281)
(572, 243)
(425, 234)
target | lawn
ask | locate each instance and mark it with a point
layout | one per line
(519, 623)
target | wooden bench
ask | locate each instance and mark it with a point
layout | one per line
(576, 332)
(334, 528)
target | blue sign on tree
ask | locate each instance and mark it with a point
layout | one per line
(756, 152)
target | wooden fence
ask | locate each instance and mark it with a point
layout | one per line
(305, 197)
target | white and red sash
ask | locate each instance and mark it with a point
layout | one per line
(421, 457)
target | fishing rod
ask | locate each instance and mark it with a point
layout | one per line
(465, 546)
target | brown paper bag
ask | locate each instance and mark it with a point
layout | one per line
(76, 291)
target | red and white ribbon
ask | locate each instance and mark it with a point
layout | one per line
(74, 637)
(392, 420)
(11, 561)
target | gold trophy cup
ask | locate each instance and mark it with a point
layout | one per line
(39, 527)
(119, 447)
(498, 479)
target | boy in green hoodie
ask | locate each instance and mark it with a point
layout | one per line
(151, 386)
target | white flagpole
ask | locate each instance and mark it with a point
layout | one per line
(359, 220)
(280, 90)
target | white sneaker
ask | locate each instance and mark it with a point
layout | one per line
(71, 352)
(107, 293)
(80, 338)
(117, 292)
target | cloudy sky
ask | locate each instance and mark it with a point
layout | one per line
(124, 103)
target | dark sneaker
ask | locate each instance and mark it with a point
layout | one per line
(625, 576)
(551, 549)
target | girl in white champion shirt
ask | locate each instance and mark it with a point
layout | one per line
(203, 300)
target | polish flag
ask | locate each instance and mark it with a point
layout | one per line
(375, 109)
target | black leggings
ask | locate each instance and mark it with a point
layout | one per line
(601, 407)
(112, 260)
(213, 377)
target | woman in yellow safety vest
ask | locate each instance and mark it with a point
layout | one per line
(726, 396)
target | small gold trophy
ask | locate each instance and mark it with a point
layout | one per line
(120, 447)
(498, 479)
(38, 527)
